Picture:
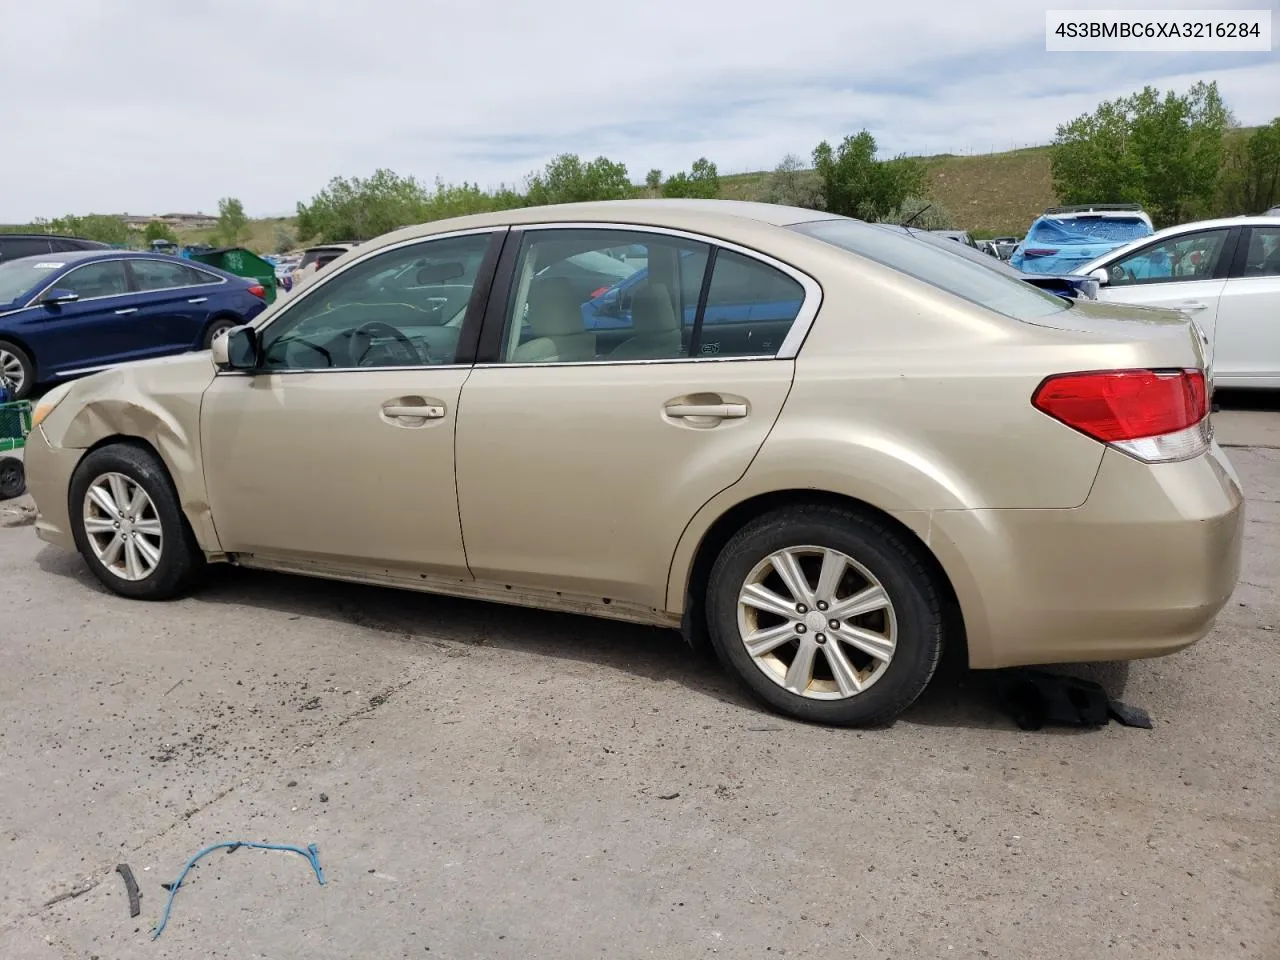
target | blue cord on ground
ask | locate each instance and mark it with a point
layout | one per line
(311, 853)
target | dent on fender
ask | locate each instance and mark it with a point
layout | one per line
(114, 404)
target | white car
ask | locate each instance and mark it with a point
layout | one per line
(1225, 274)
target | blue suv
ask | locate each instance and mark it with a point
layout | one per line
(1066, 238)
(68, 313)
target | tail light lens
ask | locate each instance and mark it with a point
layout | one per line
(1152, 415)
(258, 290)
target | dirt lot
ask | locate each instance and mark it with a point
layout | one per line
(489, 783)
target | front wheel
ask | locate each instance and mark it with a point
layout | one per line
(826, 615)
(129, 526)
(13, 478)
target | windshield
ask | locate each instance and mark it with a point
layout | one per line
(18, 277)
(975, 282)
(1088, 229)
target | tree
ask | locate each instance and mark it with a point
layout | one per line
(285, 239)
(566, 179)
(1249, 181)
(95, 226)
(1164, 152)
(363, 208)
(653, 180)
(159, 230)
(233, 225)
(702, 180)
(856, 184)
(922, 214)
(791, 185)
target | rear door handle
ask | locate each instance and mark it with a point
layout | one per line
(1193, 305)
(425, 412)
(718, 411)
(121, 313)
(197, 300)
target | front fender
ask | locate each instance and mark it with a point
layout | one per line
(157, 402)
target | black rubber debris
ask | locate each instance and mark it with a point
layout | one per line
(131, 887)
(1034, 698)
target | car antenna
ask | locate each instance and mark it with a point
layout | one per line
(912, 219)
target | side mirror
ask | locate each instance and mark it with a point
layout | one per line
(237, 349)
(1101, 276)
(58, 296)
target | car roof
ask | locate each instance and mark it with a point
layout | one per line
(97, 244)
(700, 216)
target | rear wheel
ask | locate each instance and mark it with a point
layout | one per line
(218, 327)
(16, 370)
(129, 526)
(826, 615)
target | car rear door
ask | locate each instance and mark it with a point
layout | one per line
(172, 301)
(1247, 341)
(579, 475)
(1186, 271)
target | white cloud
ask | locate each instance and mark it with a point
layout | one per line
(149, 105)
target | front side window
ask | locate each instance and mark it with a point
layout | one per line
(941, 268)
(103, 279)
(400, 308)
(158, 275)
(1262, 259)
(586, 295)
(1191, 256)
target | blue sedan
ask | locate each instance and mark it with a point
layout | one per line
(65, 314)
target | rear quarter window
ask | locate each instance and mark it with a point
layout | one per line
(940, 268)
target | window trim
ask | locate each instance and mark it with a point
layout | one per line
(128, 277)
(496, 316)
(1221, 270)
(467, 340)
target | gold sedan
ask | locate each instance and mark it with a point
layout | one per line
(828, 447)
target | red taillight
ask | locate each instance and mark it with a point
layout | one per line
(1118, 405)
(597, 292)
(258, 290)
(1038, 252)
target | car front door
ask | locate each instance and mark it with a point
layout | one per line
(1186, 272)
(1247, 352)
(336, 455)
(97, 329)
(172, 305)
(580, 462)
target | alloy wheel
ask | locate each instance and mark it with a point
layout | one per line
(122, 527)
(817, 623)
(11, 371)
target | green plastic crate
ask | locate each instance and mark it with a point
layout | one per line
(15, 424)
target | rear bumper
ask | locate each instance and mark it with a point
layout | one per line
(49, 472)
(1140, 570)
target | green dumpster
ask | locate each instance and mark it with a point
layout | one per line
(243, 263)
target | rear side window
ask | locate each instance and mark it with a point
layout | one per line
(15, 247)
(1263, 256)
(940, 268)
(158, 275)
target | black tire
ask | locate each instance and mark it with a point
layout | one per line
(28, 369)
(886, 554)
(217, 326)
(13, 478)
(181, 560)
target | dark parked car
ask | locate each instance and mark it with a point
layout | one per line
(15, 245)
(63, 314)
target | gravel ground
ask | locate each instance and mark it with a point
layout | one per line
(484, 782)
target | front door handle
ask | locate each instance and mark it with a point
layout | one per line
(717, 411)
(1193, 305)
(121, 313)
(197, 300)
(415, 412)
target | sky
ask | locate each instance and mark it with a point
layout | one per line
(157, 106)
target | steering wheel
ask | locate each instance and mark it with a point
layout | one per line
(377, 328)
